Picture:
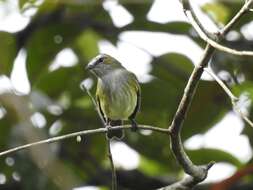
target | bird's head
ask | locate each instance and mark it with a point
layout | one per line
(103, 64)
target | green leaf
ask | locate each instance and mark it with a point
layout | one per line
(172, 66)
(87, 44)
(56, 82)
(43, 46)
(21, 3)
(217, 11)
(151, 167)
(6, 126)
(140, 11)
(245, 88)
(205, 155)
(208, 107)
(154, 149)
(8, 52)
(226, 10)
(175, 69)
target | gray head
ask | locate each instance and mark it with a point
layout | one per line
(103, 64)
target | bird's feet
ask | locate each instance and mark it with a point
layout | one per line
(134, 125)
(114, 134)
(108, 127)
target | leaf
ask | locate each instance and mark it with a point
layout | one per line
(154, 149)
(217, 11)
(171, 27)
(8, 52)
(172, 66)
(87, 44)
(56, 82)
(245, 88)
(151, 167)
(6, 126)
(172, 72)
(43, 46)
(21, 3)
(209, 104)
(140, 10)
(205, 155)
(229, 9)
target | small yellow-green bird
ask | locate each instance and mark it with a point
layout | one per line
(118, 92)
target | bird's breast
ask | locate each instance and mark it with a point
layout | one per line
(120, 97)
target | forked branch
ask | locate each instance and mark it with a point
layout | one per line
(197, 173)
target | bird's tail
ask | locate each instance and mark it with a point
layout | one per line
(115, 134)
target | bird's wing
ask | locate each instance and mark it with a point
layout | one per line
(135, 84)
(99, 107)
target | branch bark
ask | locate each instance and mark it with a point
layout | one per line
(113, 169)
(80, 133)
(210, 38)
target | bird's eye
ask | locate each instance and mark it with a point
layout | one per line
(100, 60)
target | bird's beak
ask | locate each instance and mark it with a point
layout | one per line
(90, 65)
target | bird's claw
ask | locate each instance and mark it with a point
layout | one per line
(134, 126)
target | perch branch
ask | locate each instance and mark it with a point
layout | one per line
(80, 133)
(114, 176)
(210, 38)
(197, 173)
(186, 183)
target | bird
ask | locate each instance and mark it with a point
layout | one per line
(118, 93)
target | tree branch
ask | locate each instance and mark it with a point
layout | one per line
(81, 133)
(187, 183)
(197, 173)
(210, 38)
(113, 170)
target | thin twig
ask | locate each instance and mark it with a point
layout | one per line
(250, 9)
(222, 84)
(232, 97)
(114, 176)
(80, 133)
(208, 37)
(83, 87)
(190, 14)
(243, 116)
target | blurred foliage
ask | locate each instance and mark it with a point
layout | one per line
(57, 97)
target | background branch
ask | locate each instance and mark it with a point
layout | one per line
(209, 37)
(232, 180)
